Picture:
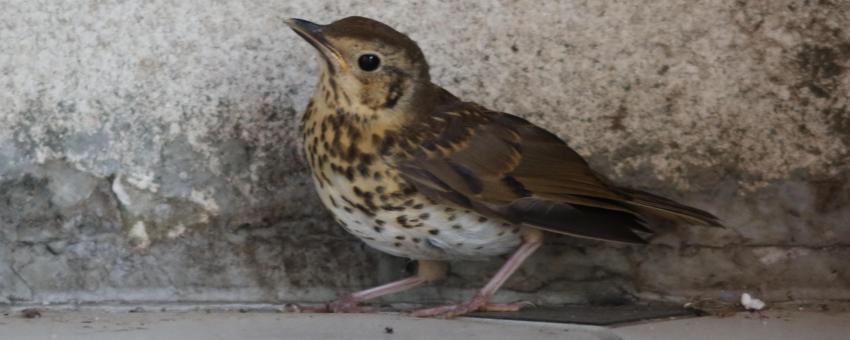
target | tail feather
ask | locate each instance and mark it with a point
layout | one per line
(576, 220)
(669, 209)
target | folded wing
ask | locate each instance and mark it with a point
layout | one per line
(502, 165)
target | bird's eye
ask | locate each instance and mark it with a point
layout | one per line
(369, 62)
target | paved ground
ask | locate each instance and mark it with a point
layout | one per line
(257, 326)
(97, 325)
(765, 325)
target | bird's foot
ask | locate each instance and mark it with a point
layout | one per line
(477, 304)
(349, 305)
(342, 305)
(506, 307)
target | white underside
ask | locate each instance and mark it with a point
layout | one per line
(474, 240)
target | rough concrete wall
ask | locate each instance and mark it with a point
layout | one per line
(149, 150)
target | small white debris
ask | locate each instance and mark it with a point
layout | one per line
(119, 191)
(751, 303)
(177, 231)
(139, 235)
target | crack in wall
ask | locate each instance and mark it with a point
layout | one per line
(24, 281)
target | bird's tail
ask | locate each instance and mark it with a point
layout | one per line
(669, 209)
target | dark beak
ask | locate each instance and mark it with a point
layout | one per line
(312, 32)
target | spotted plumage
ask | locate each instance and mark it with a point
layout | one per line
(388, 209)
(416, 172)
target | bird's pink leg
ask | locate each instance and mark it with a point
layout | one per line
(531, 241)
(428, 271)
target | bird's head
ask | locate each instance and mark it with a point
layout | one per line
(379, 69)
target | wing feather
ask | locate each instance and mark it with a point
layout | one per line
(500, 164)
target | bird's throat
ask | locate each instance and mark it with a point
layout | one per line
(374, 106)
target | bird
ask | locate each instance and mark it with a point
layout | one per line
(416, 172)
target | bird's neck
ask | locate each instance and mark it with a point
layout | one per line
(375, 106)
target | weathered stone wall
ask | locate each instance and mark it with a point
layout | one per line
(149, 150)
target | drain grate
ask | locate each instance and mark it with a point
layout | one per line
(593, 315)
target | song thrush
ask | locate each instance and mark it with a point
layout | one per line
(416, 172)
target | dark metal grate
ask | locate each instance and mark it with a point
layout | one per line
(593, 315)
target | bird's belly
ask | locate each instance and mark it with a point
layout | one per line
(422, 232)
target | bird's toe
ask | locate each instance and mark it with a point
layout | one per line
(475, 305)
(348, 305)
(451, 311)
(506, 307)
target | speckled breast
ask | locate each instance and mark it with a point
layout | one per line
(372, 201)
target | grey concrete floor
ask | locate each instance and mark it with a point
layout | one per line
(96, 325)
(764, 325)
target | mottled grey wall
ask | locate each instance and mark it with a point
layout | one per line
(149, 150)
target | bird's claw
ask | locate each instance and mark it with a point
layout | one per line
(475, 305)
(506, 307)
(445, 312)
(298, 308)
(347, 305)
(343, 305)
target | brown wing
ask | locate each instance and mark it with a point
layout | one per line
(500, 164)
